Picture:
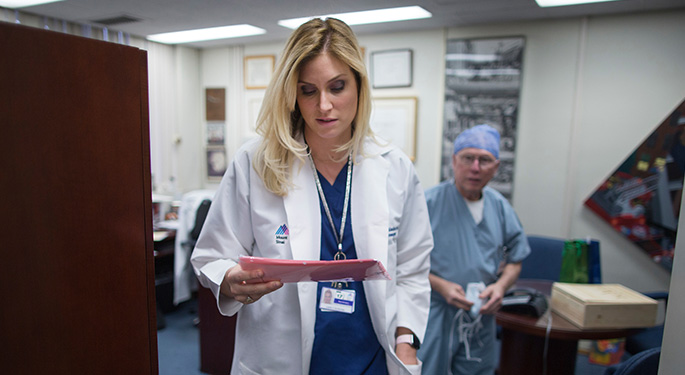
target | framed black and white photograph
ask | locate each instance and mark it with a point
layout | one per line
(215, 132)
(258, 71)
(482, 86)
(216, 162)
(392, 68)
(394, 120)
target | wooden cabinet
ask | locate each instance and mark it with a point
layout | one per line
(217, 335)
(77, 281)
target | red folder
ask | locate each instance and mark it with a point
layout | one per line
(293, 271)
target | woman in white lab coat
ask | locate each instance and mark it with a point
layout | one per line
(318, 185)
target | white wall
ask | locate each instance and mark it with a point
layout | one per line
(592, 90)
(545, 117)
(428, 61)
(634, 76)
(175, 131)
(428, 51)
(185, 138)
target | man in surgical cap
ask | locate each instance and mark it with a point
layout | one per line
(478, 248)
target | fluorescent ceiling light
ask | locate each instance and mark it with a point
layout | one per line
(366, 17)
(14, 4)
(558, 3)
(212, 33)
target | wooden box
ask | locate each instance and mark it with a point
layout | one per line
(603, 306)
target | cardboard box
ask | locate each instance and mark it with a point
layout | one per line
(603, 306)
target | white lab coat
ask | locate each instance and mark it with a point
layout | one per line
(390, 223)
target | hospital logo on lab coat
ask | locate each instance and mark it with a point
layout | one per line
(282, 234)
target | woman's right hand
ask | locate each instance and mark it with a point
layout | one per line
(246, 286)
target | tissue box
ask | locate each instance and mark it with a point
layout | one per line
(603, 306)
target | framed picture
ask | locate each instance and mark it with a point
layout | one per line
(215, 132)
(391, 68)
(394, 120)
(258, 71)
(215, 104)
(641, 199)
(216, 162)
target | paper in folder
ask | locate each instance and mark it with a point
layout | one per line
(293, 271)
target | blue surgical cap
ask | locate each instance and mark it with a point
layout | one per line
(480, 136)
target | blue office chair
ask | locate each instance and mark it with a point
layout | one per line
(200, 217)
(544, 261)
(643, 363)
(650, 337)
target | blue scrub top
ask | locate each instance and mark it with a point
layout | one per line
(343, 343)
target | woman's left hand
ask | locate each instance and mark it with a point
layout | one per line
(246, 286)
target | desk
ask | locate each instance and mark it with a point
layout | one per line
(523, 339)
(164, 269)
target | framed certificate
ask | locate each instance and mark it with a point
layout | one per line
(258, 71)
(391, 68)
(394, 120)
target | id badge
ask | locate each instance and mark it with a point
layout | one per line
(340, 300)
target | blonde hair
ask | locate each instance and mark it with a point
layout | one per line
(280, 123)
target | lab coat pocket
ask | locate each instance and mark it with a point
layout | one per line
(246, 371)
(392, 235)
(415, 369)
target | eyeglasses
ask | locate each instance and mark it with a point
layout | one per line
(483, 161)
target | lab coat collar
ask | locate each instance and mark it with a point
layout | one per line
(369, 202)
(369, 206)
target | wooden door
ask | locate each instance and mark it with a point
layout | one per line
(77, 277)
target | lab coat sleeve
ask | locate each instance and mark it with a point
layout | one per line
(414, 244)
(227, 233)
